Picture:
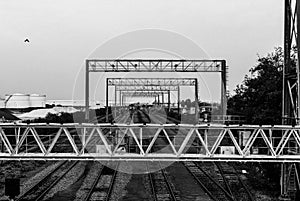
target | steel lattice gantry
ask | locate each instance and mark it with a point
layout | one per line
(291, 89)
(291, 84)
(146, 88)
(152, 81)
(155, 94)
(156, 65)
(140, 91)
(143, 93)
(152, 84)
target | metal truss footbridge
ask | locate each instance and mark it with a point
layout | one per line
(150, 142)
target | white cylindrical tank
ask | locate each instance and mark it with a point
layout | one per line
(17, 100)
(37, 100)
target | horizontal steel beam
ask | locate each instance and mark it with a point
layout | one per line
(130, 157)
(146, 88)
(108, 125)
(151, 81)
(154, 65)
(144, 93)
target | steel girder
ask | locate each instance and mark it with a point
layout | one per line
(259, 144)
(152, 81)
(143, 93)
(146, 88)
(154, 65)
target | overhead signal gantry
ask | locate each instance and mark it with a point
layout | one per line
(156, 65)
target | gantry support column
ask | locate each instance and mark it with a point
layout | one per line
(178, 100)
(169, 100)
(223, 88)
(291, 88)
(120, 97)
(87, 88)
(115, 96)
(196, 102)
(106, 99)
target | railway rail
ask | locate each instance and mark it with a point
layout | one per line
(38, 191)
(212, 187)
(161, 187)
(241, 191)
(101, 190)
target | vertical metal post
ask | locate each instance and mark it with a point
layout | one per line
(141, 138)
(169, 100)
(178, 99)
(286, 105)
(106, 99)
(83, 130)
(223, 88)
(115, 96)
(87, 98)
(285, 95)
(158, 99)
(290, 97)
(196, 102)
(298, 61)
(162, 98)
(120, 97)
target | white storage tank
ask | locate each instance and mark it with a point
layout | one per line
(17, 100)
(37, 100)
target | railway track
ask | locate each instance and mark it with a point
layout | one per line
(102, 186)
(38, 191)
(212, 187)
(240, 192)
(161, 187)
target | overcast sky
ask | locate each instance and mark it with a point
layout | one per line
(63, 33)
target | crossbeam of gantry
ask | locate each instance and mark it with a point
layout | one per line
(213, 142)
(146, 88)
(156, 65)
(152, 81)
(151, 93)
(151, 84)
(143, 93)
(158, 89)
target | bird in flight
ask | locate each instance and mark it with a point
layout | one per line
(26, 40)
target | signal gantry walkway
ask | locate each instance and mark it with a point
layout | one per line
(136, 142)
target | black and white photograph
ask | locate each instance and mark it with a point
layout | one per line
(149, 100)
